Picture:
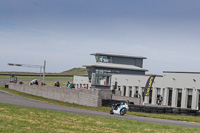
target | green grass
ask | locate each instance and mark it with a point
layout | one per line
(106, 109)
(56, 78)
(62, 83)
(75, 71)
(25, 119)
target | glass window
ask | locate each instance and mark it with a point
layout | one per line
(106, 59)
(103, 80)
(103, 71)
(100, 71)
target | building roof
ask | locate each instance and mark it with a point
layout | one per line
(181, 72)
(120, 55)
(116, 66)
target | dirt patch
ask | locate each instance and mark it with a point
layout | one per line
(147, 130)
(101, 123)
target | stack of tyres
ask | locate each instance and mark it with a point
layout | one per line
(197, 113)
(109, 102)
(136, 108)
(192, 112)
(176, 111)
(160, 110)
(154, 110)
(147, 109)
(168, 110)
(184, 111)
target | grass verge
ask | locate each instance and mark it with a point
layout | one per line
(106, 109)
(25, 119)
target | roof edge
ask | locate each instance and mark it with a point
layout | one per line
(120, 55)
(181, 72)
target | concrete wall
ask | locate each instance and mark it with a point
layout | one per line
(85, 97)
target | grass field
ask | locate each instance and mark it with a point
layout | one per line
(107, 109)
(49, 80)
(73, 71)
(24, 119)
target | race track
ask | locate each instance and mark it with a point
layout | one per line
(21, 101)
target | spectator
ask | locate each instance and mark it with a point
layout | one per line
(72, 85)
(84, 86)
(57, 84)
(36, 82)
(42, 84)
(137, 95)
(20, 82)
(68, 86)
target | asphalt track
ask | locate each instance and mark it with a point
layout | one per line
(8, 98)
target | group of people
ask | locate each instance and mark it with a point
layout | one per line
(70, 85)
(34, 82)
(57, 84)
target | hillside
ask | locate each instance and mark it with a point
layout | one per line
(75, 71)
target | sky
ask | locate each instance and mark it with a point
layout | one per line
(66, 32)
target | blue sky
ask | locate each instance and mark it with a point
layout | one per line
(66, 32)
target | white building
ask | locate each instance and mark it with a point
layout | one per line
(178, 89)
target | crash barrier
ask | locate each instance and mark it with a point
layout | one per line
(110, 102)
(134, 100)
(85, 97)
(163, 110)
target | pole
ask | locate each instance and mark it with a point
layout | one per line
(40, 73)
(44, 70)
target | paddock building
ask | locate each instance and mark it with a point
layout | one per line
(126, 73)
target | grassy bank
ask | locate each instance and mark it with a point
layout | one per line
(25, 119)
(106, 109)
(50, 80)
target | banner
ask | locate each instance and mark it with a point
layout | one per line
(149, 85)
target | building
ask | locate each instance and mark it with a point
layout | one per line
(126, 74)
(110, 63)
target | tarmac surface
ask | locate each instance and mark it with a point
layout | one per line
(8, 98)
